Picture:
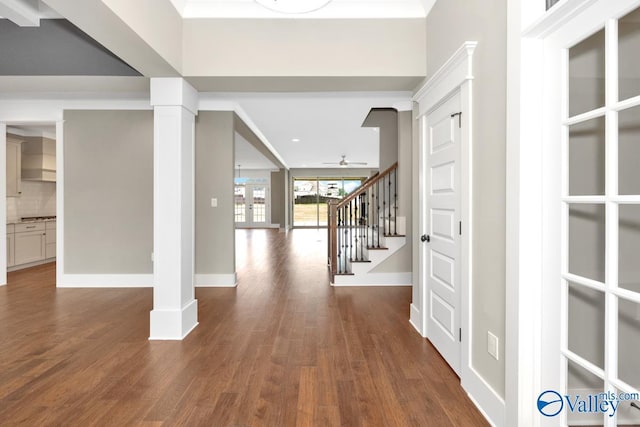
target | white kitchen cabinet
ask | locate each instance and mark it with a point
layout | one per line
(50, 238)
(29, 243)
(14, 166)
(11, 259)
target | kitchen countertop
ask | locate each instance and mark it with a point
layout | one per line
(17, 221)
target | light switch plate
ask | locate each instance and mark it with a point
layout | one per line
(492, 345)
(214, 202)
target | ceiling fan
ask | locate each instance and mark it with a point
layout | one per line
(344, 162)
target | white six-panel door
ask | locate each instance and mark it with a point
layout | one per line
(442, 240)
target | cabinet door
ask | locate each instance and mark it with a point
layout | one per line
(29, 247)
(10, 250)
(14, 168)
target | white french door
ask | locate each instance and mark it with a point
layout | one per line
(442, 251)
(251, 205)
(599, 283)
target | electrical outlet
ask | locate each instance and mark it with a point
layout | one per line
(492, 345)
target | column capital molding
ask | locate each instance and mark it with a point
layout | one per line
(173, 92)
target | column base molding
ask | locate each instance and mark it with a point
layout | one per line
(173, 324)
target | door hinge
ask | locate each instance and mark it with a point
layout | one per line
(459, 118)
(460, 334)
(460, 227)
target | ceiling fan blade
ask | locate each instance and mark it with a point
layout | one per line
(357, 163)
(330, 163)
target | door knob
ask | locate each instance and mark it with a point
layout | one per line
(425, 238)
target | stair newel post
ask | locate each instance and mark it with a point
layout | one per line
(395, 204)
(355, 206)
(339, 245)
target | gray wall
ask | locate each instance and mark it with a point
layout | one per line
(386, 119)
(215, 228)
(401, 261)
(108, 192)
(449, 25)
(278, 203)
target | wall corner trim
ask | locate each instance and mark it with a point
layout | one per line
(488, 402)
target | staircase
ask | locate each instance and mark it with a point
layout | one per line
(364, 230)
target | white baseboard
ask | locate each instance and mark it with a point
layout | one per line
(216, 280)
(374, 279)
(105, 281)
(173, 324)
(488, 402)
(415, 319)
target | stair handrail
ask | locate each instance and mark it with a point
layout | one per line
(367, 184)
(333, 240)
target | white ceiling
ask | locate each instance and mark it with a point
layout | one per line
(327, 125)
(335, 9)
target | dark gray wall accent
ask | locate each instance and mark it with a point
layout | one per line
(108, 192)
(278, 202)
(214, 228)
(55, 48)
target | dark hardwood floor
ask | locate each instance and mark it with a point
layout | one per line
(282, 349)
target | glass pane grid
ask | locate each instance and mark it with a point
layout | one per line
(601, 214)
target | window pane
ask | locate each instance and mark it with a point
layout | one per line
(586, 323)
(629, 46)
(587, 158)
(582, 384)
(629, 151)
(629, 247)
(305, 209)
(629, 343)
(586, 75)
(259, 204)
(587, 241)
(239, 203)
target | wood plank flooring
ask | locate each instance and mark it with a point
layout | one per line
(282, 349)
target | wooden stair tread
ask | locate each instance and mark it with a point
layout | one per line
(381, 248)
(344, 274)
(360, 261)
(395, 235)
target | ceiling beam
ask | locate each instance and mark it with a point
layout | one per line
(24, 13)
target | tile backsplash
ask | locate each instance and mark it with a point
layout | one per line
(37, 199)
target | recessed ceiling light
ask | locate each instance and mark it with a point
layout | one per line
(295, 139)
(293, 6)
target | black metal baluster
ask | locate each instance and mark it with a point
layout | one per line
(366, 219)
(355, 200)
(389, 215)
(395, 201)
(378, 215)
(384, 206)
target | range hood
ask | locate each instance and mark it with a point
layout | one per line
(38, 159)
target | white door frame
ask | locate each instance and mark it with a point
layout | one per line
(455, 75)
(533, 246)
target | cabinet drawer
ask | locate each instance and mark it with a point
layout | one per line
(50, 225)
(29, 247)
(29, 226)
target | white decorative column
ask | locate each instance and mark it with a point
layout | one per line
(175, 310)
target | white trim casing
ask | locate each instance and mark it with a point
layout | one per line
(105, 281)
(3, 202)
(216, 280)
(59, 202)
(457, 74)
